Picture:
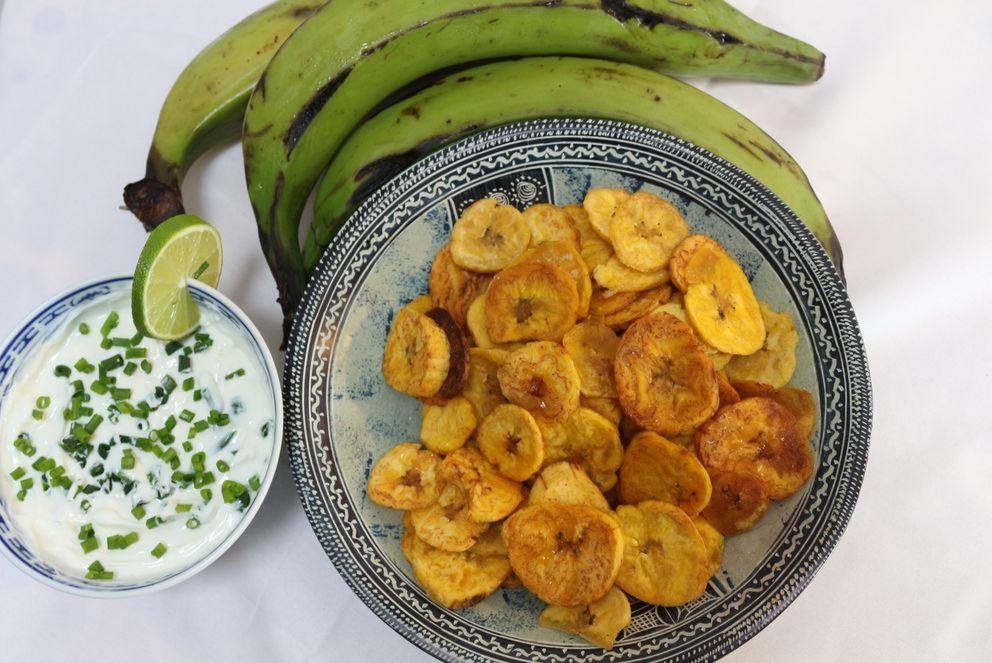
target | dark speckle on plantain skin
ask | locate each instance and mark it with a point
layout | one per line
(736, 141)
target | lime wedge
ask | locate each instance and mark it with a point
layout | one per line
(184, 247)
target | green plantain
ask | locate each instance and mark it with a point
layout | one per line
(531, 88)
(206, 105)
(343, 63)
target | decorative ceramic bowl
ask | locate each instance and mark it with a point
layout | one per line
(31, 334)
(341, 416)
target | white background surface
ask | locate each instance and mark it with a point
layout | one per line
(896, 139)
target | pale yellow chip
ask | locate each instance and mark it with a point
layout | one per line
(563, 255)
(510, 439)
(600, 205)
(566, 554)
(406, 477)
(656, 469)
(665, 561)
(674, 307)
(592, 346)
(722, 308)
(446, 427)
(446, 524)
(615, 276)
(541, 377)
(664, 379)
(479, 329)
(599, 622)
(737, 503)
(490, 495)
(549, 223)
(531, 301)
(775, 362)
(453, 288)
(757, 436)
(458, 579)
(645, 230)
(592, 247)
(482, 389)
(565, 482)
(684, 251)
(713, 541)
(588, 439)
(488, 236)
(417, 354)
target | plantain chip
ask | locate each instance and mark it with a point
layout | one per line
(737, 504)
(684, 251)
(656, 469)
(565, 482)
(457, 375)
(665, 380)
(549, 223)
(645, 230)
(406, 477)
(446, 427)
(606, 303)
(645, 302)
(775, 362)
(458, 579)
(609, 408)
(488, 236)
(421, 304)
(664, 558)
(567, 554)
(531, 301)
(592, 247)
(674, 307)
(482, 389)
(713, 541)
(757, 436)
(453, 288)
(800, 403)
(541, 377)
(588, 439)
(600, 205)
(416, 358)
(615, 276)
(721, 305)
(490, 495)
(565, 256)
(510, 439)
(728, 395)
(445, 524)
(599, 622)
(592, 345)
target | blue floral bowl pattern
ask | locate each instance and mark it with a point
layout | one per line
(34, 331)
(341, 416)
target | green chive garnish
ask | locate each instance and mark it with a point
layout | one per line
(84, 328)
(17, 473)
(84, 366)
(223, 467)
(255, 483)
(146, 366)
(183, 508)
(62, 371)
(135, 353)
(38, 414)
(127, 460)
(192, 523)
(138, 512)
(206, 494)
(43, 464)
(90, 544)
(110, 323)
(159, 550)
(42, 402)
(153, 522)
(130, 368)
(235, 374)
(173, 347)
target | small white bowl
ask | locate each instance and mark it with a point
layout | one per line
(34, 331)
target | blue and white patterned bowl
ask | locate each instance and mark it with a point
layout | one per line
(30, 335)
(341, 416)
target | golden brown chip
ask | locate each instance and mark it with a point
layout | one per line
(585, 438)
(713, 541)
(644, 302)
(453, 288)
(406, 477)
(458, 579)
(510, 439)
(685, 249)
(644, 231)
(728, 395)
(541, 377)
(511, 581)
(614, 276)
(664, 558)
(656, 469)
(566, 482)
(566, 554)
(549, 223)
(490, 495)
(531, 301)
(606, 303)
(565, 256)
(664, 379)
(416, 358)
(757, 436)
(600, 205)
(751, 389)
(479, 329)
(775, 362)
(447, 427)
(592, 345)
(594, 249)
(457, 375)
(737, 504)
(445, 524)
(421, 304)
(674, 307)
(488, 236)
(483, 390)
(721, 305)
(800, 403)
(607, 407)
(599, 622)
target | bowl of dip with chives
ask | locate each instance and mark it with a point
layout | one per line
(128, 464)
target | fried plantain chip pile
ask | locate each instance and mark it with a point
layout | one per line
(604, 400)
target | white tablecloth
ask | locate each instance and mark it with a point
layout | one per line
(896, 139)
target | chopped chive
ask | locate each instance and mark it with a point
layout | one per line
(130, 368)
(89, 544)
(17, 473)
(110, 323)
(84, 366)
(84, 328)
(120, 342)
(201, 425)
(21, 494)
(187, 416)
(127, 460)
(235, 374)
(255, 483)
(192, 523)
(266, 428)
(202, 342)
(95, 571)
(106, 344)
(223, 467)
(85, 531)
(159, 550)
(27, 484)
(99, 387)
(187, 446)
(138, 512)
(198, 395)
(203, 479)
(135, 353)
(120, 394)
(184, 364)
(43, 464)
(183, 508)
(62, 371)
(206, 494)
(168, 384)
(188, 384)
(84, 505)
(130, 538)
(232, 490)
(23, 444)
(146, 366)
(173, 347)
(96, 470)
(170, 423)
(38, 414)
(153, 522)
(93, 423)
(112, 362)
(42, 402)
